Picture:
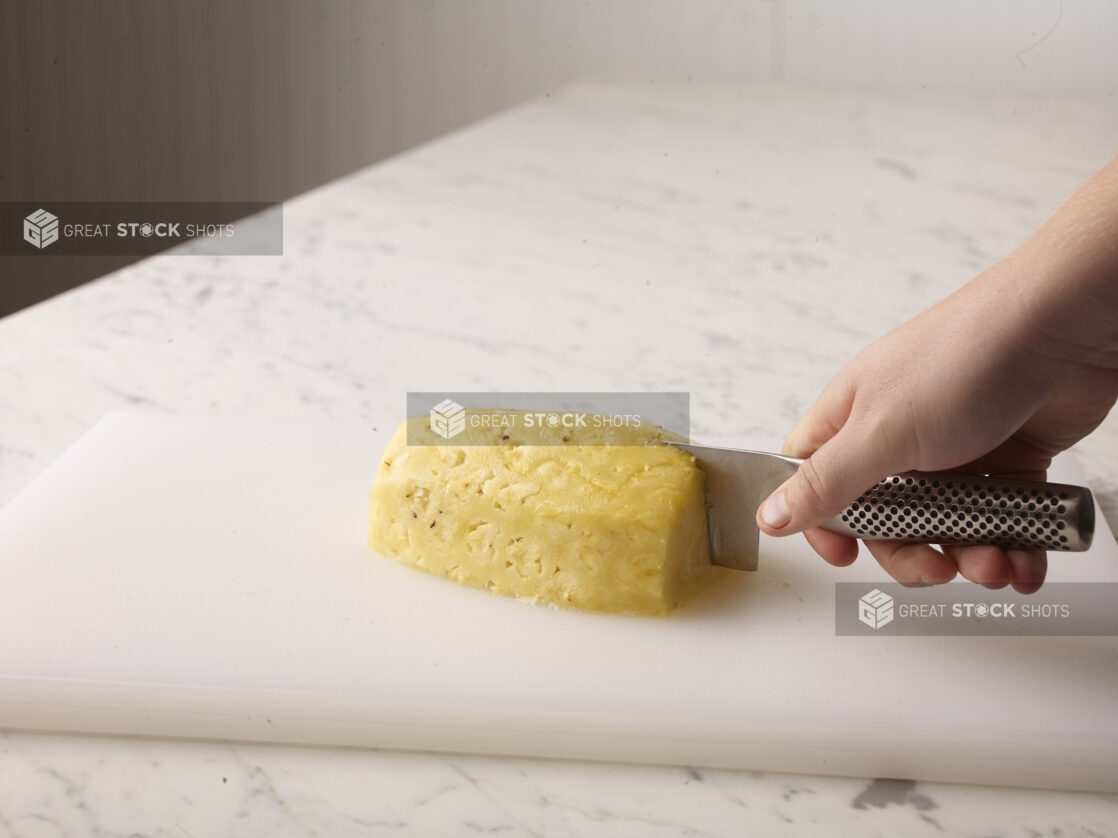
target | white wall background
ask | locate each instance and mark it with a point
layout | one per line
(458, 59)
(104, 100)
(1054, 47)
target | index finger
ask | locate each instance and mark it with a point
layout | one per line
(820, 423)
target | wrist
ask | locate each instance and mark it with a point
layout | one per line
(1069, 303)
(1068, 275)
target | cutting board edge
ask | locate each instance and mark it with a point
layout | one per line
(282, 717)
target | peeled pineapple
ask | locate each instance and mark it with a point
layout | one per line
(580, 523)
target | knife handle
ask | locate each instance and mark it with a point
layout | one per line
(944, 508)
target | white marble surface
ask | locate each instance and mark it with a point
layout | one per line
(738, 243)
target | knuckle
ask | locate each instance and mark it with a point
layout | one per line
(816, 491)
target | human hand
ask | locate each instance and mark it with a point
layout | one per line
(996, 379)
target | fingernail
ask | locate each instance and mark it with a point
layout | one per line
(1027, 570)
(774, 511)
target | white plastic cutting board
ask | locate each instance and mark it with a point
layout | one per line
(205, 578)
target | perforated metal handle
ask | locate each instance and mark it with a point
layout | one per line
(943, 508)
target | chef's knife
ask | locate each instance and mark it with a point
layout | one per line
(926, 507)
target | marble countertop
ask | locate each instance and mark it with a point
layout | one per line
(735, 242)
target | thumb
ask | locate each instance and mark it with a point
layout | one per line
(836, 473)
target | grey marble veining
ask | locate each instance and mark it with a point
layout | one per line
(100, 787)
(735, 242)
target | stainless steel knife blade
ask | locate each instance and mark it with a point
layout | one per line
(736, 483)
